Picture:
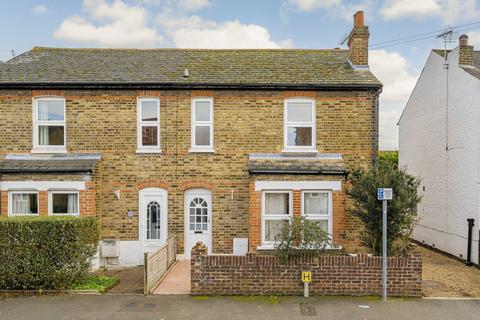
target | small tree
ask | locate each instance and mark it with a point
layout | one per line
(402, 210)
(300, 236)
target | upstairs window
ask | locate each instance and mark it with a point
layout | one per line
(202, 125)
(299, 129)
(148, 125)
(23, 203)
(49, 125)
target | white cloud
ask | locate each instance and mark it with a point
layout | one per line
(388, 128)
(398, 81)
(39, 9)
(474, 38)
(335, 8)
(187, 5)
(193, 4)
(449, 10)
(109, 24)
(195, 32)
(393, 71)
(310, 5)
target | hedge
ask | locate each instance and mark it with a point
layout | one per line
(46, 252)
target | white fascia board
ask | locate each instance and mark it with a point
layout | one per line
(298, 185)
(42, 185)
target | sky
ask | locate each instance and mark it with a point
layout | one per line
(251, 24)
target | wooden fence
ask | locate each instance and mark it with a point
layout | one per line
(157, 263)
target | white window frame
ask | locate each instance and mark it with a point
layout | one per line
(141, 124)
(309, 149)
(50, 202)
(36, 123)
(327, 216)
(270, 244)
(195, 148)
(10, 203)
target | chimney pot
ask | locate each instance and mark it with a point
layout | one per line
(358, 19)
(463, 40)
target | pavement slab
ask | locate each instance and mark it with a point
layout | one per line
(168, 307)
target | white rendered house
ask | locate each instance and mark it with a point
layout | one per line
(439, 134)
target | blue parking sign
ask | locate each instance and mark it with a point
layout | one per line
(384, 193)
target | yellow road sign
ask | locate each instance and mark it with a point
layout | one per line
(306, 276)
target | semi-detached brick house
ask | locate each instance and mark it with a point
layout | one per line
(211, 145)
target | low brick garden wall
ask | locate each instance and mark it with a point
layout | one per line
(256, 274)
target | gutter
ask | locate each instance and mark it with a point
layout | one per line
(280, 171)
(190, 85)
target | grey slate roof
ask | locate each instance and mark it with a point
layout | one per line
(207, 67)
(23, 163)
(326, 163)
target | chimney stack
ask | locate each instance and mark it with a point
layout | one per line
(465, 52)
(358, 41)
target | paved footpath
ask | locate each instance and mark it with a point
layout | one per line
(185, 307)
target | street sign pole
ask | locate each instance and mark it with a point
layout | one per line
(384, 251)
(384, 194)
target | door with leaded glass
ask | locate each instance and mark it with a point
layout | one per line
(198, 219)
(153, 219)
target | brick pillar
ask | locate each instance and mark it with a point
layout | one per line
(43, 203)
(297, 203)
(199, 253)
(358, 41)
(87, 200)
(4, 203)
(254, 217)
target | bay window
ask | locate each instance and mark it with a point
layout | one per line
(317, 206)
(63, 203)
(276, 210)
(23, 203)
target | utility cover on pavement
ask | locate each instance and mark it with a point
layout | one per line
(307, 309)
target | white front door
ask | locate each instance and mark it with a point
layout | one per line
(153, 219)
(198, 219)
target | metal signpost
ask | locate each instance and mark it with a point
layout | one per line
(306, 279)
(384, 194)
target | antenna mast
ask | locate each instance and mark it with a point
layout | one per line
(447, 38)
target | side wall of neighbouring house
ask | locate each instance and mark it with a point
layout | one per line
(449, 177)
(245, 122)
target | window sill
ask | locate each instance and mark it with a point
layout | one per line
(49, 150)
(300, 151)
(201, 150)
(143, 151)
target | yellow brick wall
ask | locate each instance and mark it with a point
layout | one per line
(245, 122)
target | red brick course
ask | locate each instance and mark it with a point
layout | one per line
(256, 274)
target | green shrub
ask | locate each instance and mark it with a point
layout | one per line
(46, 253)
(402, 210)
(300, 236)
(388, 159)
